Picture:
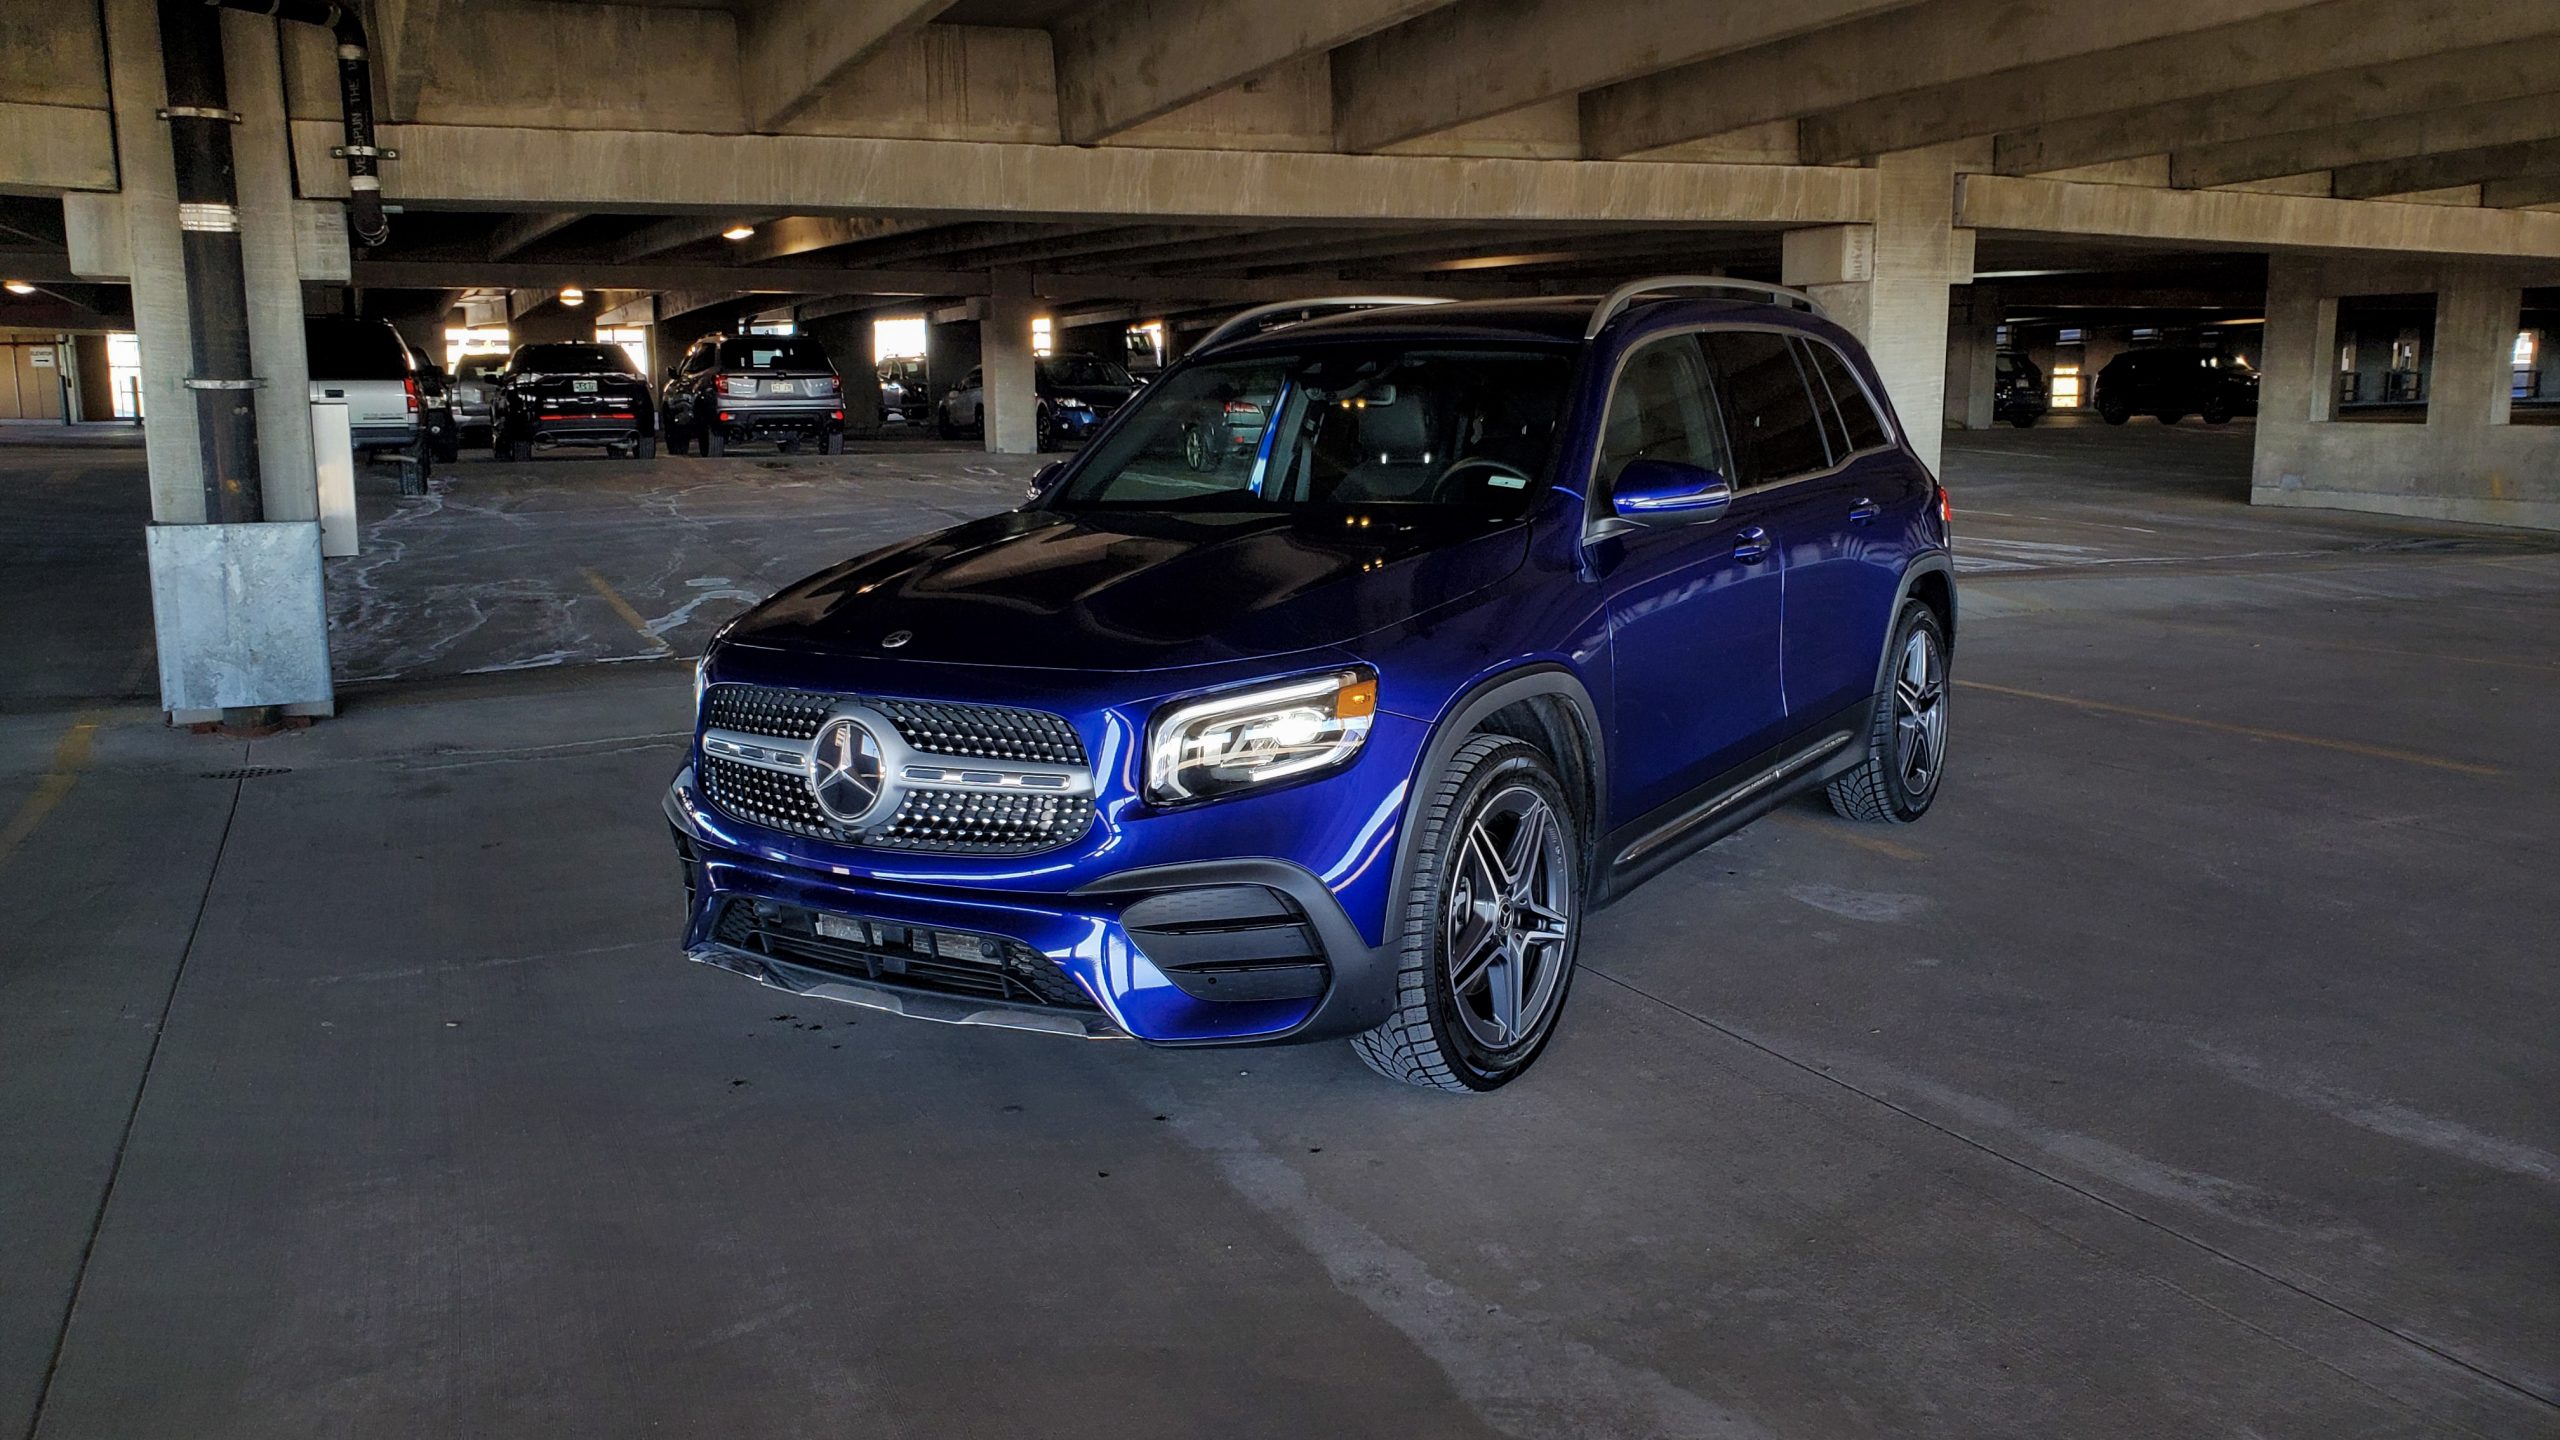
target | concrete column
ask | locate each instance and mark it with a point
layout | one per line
(1004, 357)
(272, 267)
(1973, 350)
(1887, 283)
(2467, 462)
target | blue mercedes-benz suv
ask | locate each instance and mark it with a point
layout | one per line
(1343, 732)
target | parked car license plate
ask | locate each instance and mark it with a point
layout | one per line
(783, 387)
(582, 387)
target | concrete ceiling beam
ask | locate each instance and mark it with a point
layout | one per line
(2447, 170)
(2361, 93)
(1949, 43)
(1123, 63)
(519, 232)
(2521, 191)
(485, 167)
(806, 234)
(2468, 127)
(2247, 219)
(659, 237)
(1481, 58)
(2189, 59)
(789, 51)
(541, 283)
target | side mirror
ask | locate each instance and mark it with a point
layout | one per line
(1041, 479)
(1668, 492)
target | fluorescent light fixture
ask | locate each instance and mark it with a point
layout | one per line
(737, 232)
(573, 296)
(17, 287)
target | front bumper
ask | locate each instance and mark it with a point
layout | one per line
(1237, 951)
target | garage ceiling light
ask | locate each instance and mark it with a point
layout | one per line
(737, 232)
(573, 296)
(17, 287)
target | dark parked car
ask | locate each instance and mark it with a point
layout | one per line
(436, 424)
(1346, 739)
(2173, 382)
(2018, 391)
(731, 389)
(570, 394)
(365, 364)
(1076, 394)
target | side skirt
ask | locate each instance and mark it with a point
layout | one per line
(1653, 843)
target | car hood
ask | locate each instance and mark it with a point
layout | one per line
(1100, 397)
(1137, 591)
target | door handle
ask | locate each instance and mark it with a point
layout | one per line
(1750, 543)
(1864, 511)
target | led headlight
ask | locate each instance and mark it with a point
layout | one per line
(1201, 749)
(1071, 403)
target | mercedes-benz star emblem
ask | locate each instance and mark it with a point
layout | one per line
(896, 638)
(844, 770)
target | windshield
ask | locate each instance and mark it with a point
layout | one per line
(1082, 370)
(573, 360)
(1337, 425)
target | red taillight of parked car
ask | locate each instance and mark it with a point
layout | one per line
(835, 387)
(835, 414)
(1243, 407)
(720, 385)
(409, 383)
(1946, 509)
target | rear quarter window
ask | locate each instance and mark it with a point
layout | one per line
(1857, 413)
(1776, 430)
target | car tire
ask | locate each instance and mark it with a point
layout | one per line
(942, 425)
(1199, 447)
(520, 451)
(714, 444)
(2217, 412)
(2023, 422)
(1449, 1033)
(645, 448)
(2114, 412)
(1907, 745)
(1044, 429)
(835, 443)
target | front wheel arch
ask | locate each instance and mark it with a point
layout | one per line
(1548, 685)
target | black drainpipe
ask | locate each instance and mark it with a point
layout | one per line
(200, 120)
(355, 100)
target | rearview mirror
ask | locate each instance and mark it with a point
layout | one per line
(1656, 492)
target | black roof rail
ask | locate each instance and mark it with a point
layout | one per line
(1634, 290)
(1248, 318)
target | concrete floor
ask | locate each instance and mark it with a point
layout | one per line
(2188, 1072)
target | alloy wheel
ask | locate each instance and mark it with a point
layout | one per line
(1920, 713)
(1507, 917)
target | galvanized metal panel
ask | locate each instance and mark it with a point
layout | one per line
(241, 615)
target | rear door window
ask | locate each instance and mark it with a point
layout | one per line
(1776, 431)
(1861, 424)
(1663, 409)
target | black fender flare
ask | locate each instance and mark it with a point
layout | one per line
(1936, 562)
(1458, 722)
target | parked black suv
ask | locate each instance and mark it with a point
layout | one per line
(571, 395)
(2018, 391)
(2175, 381)
(734, 388)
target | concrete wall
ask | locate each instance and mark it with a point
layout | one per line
(2466, 462)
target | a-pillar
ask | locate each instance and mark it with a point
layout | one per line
(1887, 283)
(1008, 370)
(274, 267)
(2468, 461)
(1973, 355)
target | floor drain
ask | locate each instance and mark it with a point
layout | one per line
(248, 772)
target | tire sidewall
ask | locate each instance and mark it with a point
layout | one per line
(1477, 1067)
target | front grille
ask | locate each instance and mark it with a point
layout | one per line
(981, 822)
(767, 797)
(765, 710)
(988, 732)
(914, 957)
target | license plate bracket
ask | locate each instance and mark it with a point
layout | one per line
(582, 387)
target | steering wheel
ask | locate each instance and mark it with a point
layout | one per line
(1443, 489)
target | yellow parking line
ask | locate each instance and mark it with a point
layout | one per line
(2350, 747)
(623, 608)
(70, 757)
